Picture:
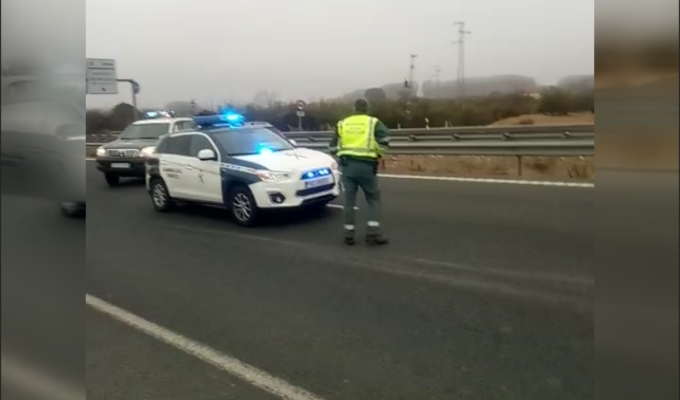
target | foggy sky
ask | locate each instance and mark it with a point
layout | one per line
(231, 49)
(217, 50)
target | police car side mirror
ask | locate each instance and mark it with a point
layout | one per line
(207, 155)
(293, 142)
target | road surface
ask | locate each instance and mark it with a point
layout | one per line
(486, 292)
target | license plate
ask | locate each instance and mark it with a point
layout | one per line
(120, 165)
(318, 182)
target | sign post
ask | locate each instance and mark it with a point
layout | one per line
(135, 91)
(101, 76)
(300, 106)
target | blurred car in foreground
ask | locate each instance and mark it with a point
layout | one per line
(43, 143)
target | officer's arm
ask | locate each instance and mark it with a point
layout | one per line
(335, 139)
(382, 138)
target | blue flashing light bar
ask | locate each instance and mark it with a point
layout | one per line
(157, 114)
(226, 119)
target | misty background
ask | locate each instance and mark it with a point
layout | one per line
(217, 51)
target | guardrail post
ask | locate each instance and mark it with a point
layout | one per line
(519, 165)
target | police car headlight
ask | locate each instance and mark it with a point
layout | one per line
(101, 152)
(273, 176)
(148, 151)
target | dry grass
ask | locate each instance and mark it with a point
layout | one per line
(543, 168)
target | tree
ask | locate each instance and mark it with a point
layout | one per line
(375, 95)
(556, 101)
(121, 116)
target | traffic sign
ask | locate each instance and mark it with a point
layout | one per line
(300, 105)
(300, 113)
(101, 76)
(135, 87)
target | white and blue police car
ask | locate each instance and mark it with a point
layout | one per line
(242, 167)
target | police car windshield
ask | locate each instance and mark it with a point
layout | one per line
(248, 141)
(145, 131)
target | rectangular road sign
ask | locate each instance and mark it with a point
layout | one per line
(101, 76)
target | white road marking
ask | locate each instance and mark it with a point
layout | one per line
(258, 378)
(481, 180)
(339, 206)
(30, 380)
(488, 180)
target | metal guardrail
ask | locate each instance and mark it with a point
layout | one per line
(578, 140)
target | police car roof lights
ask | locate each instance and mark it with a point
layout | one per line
(157, 114)
(227, 119)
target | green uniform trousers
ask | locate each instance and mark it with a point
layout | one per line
(360, 174)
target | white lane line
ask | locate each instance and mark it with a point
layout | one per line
(480, 180)
(30, 380)
(258, 378)
(339, 206)
(485, 180)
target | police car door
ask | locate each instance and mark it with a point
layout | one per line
(208, 185)
(175, 166)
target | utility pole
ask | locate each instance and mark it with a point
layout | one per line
(460, 74)
(408, 83)
(437, 82)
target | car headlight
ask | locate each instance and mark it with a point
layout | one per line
(101, 151)
(148, 151)
(272, 176)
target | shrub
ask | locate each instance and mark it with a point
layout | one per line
(405, 113)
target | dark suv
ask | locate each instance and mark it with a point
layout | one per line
(125, 156)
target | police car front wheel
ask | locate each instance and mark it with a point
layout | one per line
(159, 196)
(243, 207)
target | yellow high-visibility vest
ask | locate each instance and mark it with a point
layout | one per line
(356, 137)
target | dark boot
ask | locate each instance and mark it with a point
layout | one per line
(349, 238)
(375, 237)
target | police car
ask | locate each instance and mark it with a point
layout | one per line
(244, 168)
(125, 156)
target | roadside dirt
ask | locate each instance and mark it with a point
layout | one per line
(540, 168)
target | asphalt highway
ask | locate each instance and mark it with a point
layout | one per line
(486, 292)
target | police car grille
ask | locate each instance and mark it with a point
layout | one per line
(126, 153)
(314, 190)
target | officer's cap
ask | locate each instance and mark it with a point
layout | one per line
(361, 105)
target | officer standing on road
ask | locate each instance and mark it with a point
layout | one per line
(360, 142)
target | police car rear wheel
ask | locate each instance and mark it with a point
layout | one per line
(160, 197)
(242, 206)
(112, 179)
